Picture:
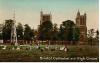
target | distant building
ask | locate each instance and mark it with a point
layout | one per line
(44, 17)
(81, 24)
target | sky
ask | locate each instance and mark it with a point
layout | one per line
(28, 11)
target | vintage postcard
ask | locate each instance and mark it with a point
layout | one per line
(49, 30)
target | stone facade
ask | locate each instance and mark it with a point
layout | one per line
(44, 17)
(81, 24)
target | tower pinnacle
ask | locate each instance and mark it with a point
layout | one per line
(78, 13)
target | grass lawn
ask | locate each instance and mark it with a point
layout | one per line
(76, 52)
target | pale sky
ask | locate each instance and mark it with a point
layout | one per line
(28, 11)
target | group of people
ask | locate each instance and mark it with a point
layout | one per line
(38, 46)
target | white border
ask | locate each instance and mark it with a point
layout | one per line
(66, 62)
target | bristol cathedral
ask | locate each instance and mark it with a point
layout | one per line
(80, 23)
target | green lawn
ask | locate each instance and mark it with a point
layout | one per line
(35, 54)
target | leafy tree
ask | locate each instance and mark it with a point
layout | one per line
(97, 34)
(45, 30)
(90, 36)
(1, 27)
(96, 39)
(76, 34)
(68, 31)
(28, 33)
(1, 37)
(55, 33)
(7, 29)
(20, 31)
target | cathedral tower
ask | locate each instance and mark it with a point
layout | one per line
(44, 17)
(81, 24)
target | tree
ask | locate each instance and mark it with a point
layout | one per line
(45, 31)
(68, 31)
(1, 36)
(19, 31)
(55, 33)
(90, 36)
(1, 28)
(7, 30)
(28, 33)
(97, 35)
(76, 34)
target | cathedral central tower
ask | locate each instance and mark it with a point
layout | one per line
(44, 17)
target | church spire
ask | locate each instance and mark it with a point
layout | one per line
(78, 13)
(85, 14)
(41, 12)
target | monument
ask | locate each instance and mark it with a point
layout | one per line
(13, 32)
